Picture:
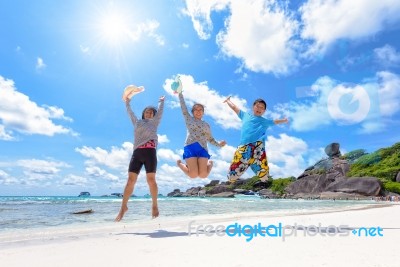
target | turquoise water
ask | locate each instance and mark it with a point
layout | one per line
(24, 212)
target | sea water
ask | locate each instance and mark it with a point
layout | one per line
(43, 212)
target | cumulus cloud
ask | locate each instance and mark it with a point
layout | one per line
(75, 180)
(19, 114)
(7, 179)
(36, 170)
(199, 92)
(167, 155)
(325, 22)
(260, 33)
(286, 155)
(200, 13)
(387, 56)
(117, 158)
(162, 138)
(96, 172)
(368, 103)
(266, 36)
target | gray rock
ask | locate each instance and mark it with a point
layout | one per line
(223, 194)
(202, 193)
(240, 191)
(267, 193)
(194, 191)
(398, 177)
(366, 186)
(219, 189)
(213, 183)
(332, 150)
(176, 192)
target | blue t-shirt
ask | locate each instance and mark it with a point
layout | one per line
(253, 128)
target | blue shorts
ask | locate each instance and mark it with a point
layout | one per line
(195, 150)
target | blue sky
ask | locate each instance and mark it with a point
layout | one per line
(331, 67)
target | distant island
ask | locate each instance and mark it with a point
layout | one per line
(354, 175)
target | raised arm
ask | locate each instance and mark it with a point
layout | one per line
(231, 105)
(129, 110)
(160, 109)
(185, 111)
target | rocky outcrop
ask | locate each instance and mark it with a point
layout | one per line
(329, 175)
(398, 177)
(267, 193)
(175, 193)
(223, 194)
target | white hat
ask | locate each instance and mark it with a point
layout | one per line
(131, 90)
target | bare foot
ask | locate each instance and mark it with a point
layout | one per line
(121, 214)
(154, 212)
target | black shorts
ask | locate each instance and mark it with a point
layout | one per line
(146, 157)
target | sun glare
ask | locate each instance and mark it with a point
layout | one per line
(114, 29)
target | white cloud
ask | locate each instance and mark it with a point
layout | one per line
(40, 64)
(117, 158)
(219, 112)
(148, 28)
(389, 93)
(265, 36)
(200, 13)
(260, 34)
(286, 155)
(387, 56)
(162, 138)
(167, 154)
(96, 172)
(75, 180)
(7, 179)
(5, 135)
(19, 113)
(327, 21)
(380, 93)
(36, 170)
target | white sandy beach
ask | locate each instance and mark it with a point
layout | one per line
(163, 242)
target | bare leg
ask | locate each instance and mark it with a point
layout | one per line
(130, 184)
(191, 169)
(182, 166)
(151, 181)
(205, 167)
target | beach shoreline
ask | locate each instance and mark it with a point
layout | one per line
(177, 242)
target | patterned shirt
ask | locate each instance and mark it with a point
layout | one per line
(145, 129)
(197, 130)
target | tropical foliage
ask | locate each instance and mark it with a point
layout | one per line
(383, 163)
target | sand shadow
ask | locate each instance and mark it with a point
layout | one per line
(158, 234)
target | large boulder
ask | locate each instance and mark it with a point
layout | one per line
(223, 194)
(366, 186)
(219, 189)
(332, 150)
(267, 193)
(317, 178)
(194, 191)
(175, 193)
